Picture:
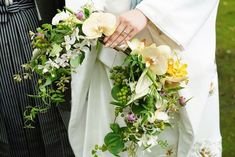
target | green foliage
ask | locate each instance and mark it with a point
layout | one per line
(137, 113)
(55, 56)
(114, 143)
(226, 70)
(56, 49)
(75, 62)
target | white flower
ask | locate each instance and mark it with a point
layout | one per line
(156, 58)
(152, 118)
(98, 24)
(148, 141)
(143, 84)
(163, 116)
(142, 87)
(85, 49)
(142, 141)
(160, 102)
(69, 41)
(152, 141)
(132, 86)
(136, 45)
(45, 70)
(76, 33)
(50, 64)
(36, 53)
(158, 115)
(60, 17)
(62, 61)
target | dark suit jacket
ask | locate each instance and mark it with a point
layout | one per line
(48, 8)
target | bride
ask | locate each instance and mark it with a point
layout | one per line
(188, 26)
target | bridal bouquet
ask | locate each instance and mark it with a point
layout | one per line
(146, 87)
(59, 48)
(145, 96)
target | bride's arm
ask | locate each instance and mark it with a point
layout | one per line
(180, 20)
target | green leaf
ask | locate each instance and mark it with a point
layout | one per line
(93, 152)
(144, 119)
(48, 82)
(117, 103)
(75, 62)
(114, 143)
(99, 46)
(86, 12)
(56, 49)
(42, 89)
(47, 26)
(115, 91)
(137, 109)
(173, 89)
(115, 127)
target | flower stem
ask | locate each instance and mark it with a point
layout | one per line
(152, 79)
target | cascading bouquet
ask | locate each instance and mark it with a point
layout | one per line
(145, 96)
(59, 48)
(146, 87)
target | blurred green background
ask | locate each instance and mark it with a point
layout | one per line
(226, 69)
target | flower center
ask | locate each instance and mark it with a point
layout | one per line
(100, 29)
(150, 61)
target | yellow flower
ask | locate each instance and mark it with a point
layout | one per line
(98, 24)
(176, 71)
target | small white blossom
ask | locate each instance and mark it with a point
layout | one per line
(60, 17)
(62, 62)
(148, 141)
(69, 41)
(45, 70)
(161, 116)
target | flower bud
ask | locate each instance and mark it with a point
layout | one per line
(131, 117)
(80, 15)
(182, 101)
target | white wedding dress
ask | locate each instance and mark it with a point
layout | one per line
(188, 26)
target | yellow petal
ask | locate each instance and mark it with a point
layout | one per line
(176, 79)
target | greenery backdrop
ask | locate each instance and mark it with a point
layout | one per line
(226, 69)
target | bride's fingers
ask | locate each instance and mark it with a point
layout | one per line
(130, 36)
(108, 37)
(116, 34)
(125, 33)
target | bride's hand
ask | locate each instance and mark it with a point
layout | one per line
(129, 24)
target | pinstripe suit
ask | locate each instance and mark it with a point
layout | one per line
(49, 138)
